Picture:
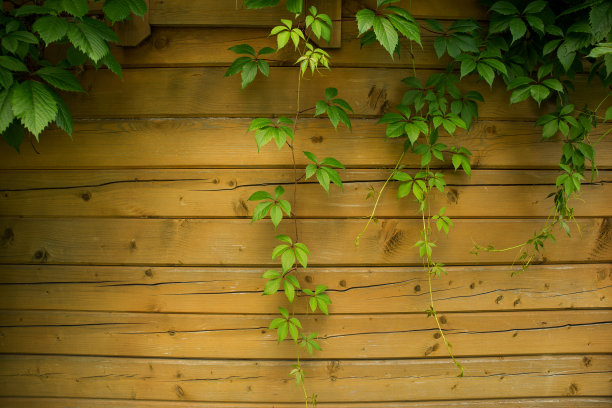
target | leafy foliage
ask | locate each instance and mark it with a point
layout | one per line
(248, 66)
(335, 108)
(28, 80)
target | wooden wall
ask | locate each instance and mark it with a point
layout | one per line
(130, 272)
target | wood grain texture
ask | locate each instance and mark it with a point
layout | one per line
(187, 92)
(584, 402)
(387, 336)
(197, 143)
(224, 13)
(206, 46)
(331, 242)
(225, 193)
(352, 290)
(333, 381)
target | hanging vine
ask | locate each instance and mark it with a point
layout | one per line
(535, 47)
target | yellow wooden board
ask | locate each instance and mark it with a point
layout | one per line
(385, 336)
(197, 143)
(511, 403)
(225, 193)
(187, 92)
(227, 12)
(332, 381)
(238, 242)
(352, 290)
(209, 46)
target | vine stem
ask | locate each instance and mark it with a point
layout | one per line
(427, 265)
(371, 217)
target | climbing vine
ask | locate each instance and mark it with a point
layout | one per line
(536, 48)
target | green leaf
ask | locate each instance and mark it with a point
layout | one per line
(331, 93)
(12, 64)
(365, 20)
(504, 7)
(257, 4)
(243, 49)
(498, 65)
(330, 161)
(520, 95)
(608, 113)
(34, 105)
(323, 178)
(63, 119)
(486, 72)
(535, 7)
(282, 39)
(51, 28)
(539, 93)
(14, 134)
(276, 215)
(60, 78)
(467, 66)
(295, 6)
(6, 110)
(517, 28)
(249, 71)
(553, 84)
(301, 252)
(385, 34)
(550, 129)
(30, 9)
(272, 286)
(261, 210)
(89, 40)
(287, 260)
(311, 157)
(260, 195)
(550, 46)
(77, 8)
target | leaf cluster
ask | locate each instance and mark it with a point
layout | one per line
(29, 82)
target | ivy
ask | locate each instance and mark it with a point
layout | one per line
(29, 101)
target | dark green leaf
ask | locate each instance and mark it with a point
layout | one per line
(60, 78)
(14, 134)
(517, 28)
(12, 64)
(505, 8)
(6, 110)
(34, 105)
(51, 28)
(243, 49)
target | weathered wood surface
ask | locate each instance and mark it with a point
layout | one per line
(225, 193)
(198, 46)
(230, 13)
(386, 336)
(196, 143)
(186, 92)
(352, 290)
(334, 381)
(570, 402)
(332, 242)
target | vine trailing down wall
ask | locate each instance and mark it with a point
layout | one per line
(535, 47)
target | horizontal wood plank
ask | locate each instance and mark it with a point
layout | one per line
(201, 46)
(352, 290)
(584, 402)
(225, 193)
(224, 13)
(340, 336)
(331, 242)
(332, 381)
(224, 143)
(188, 92)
